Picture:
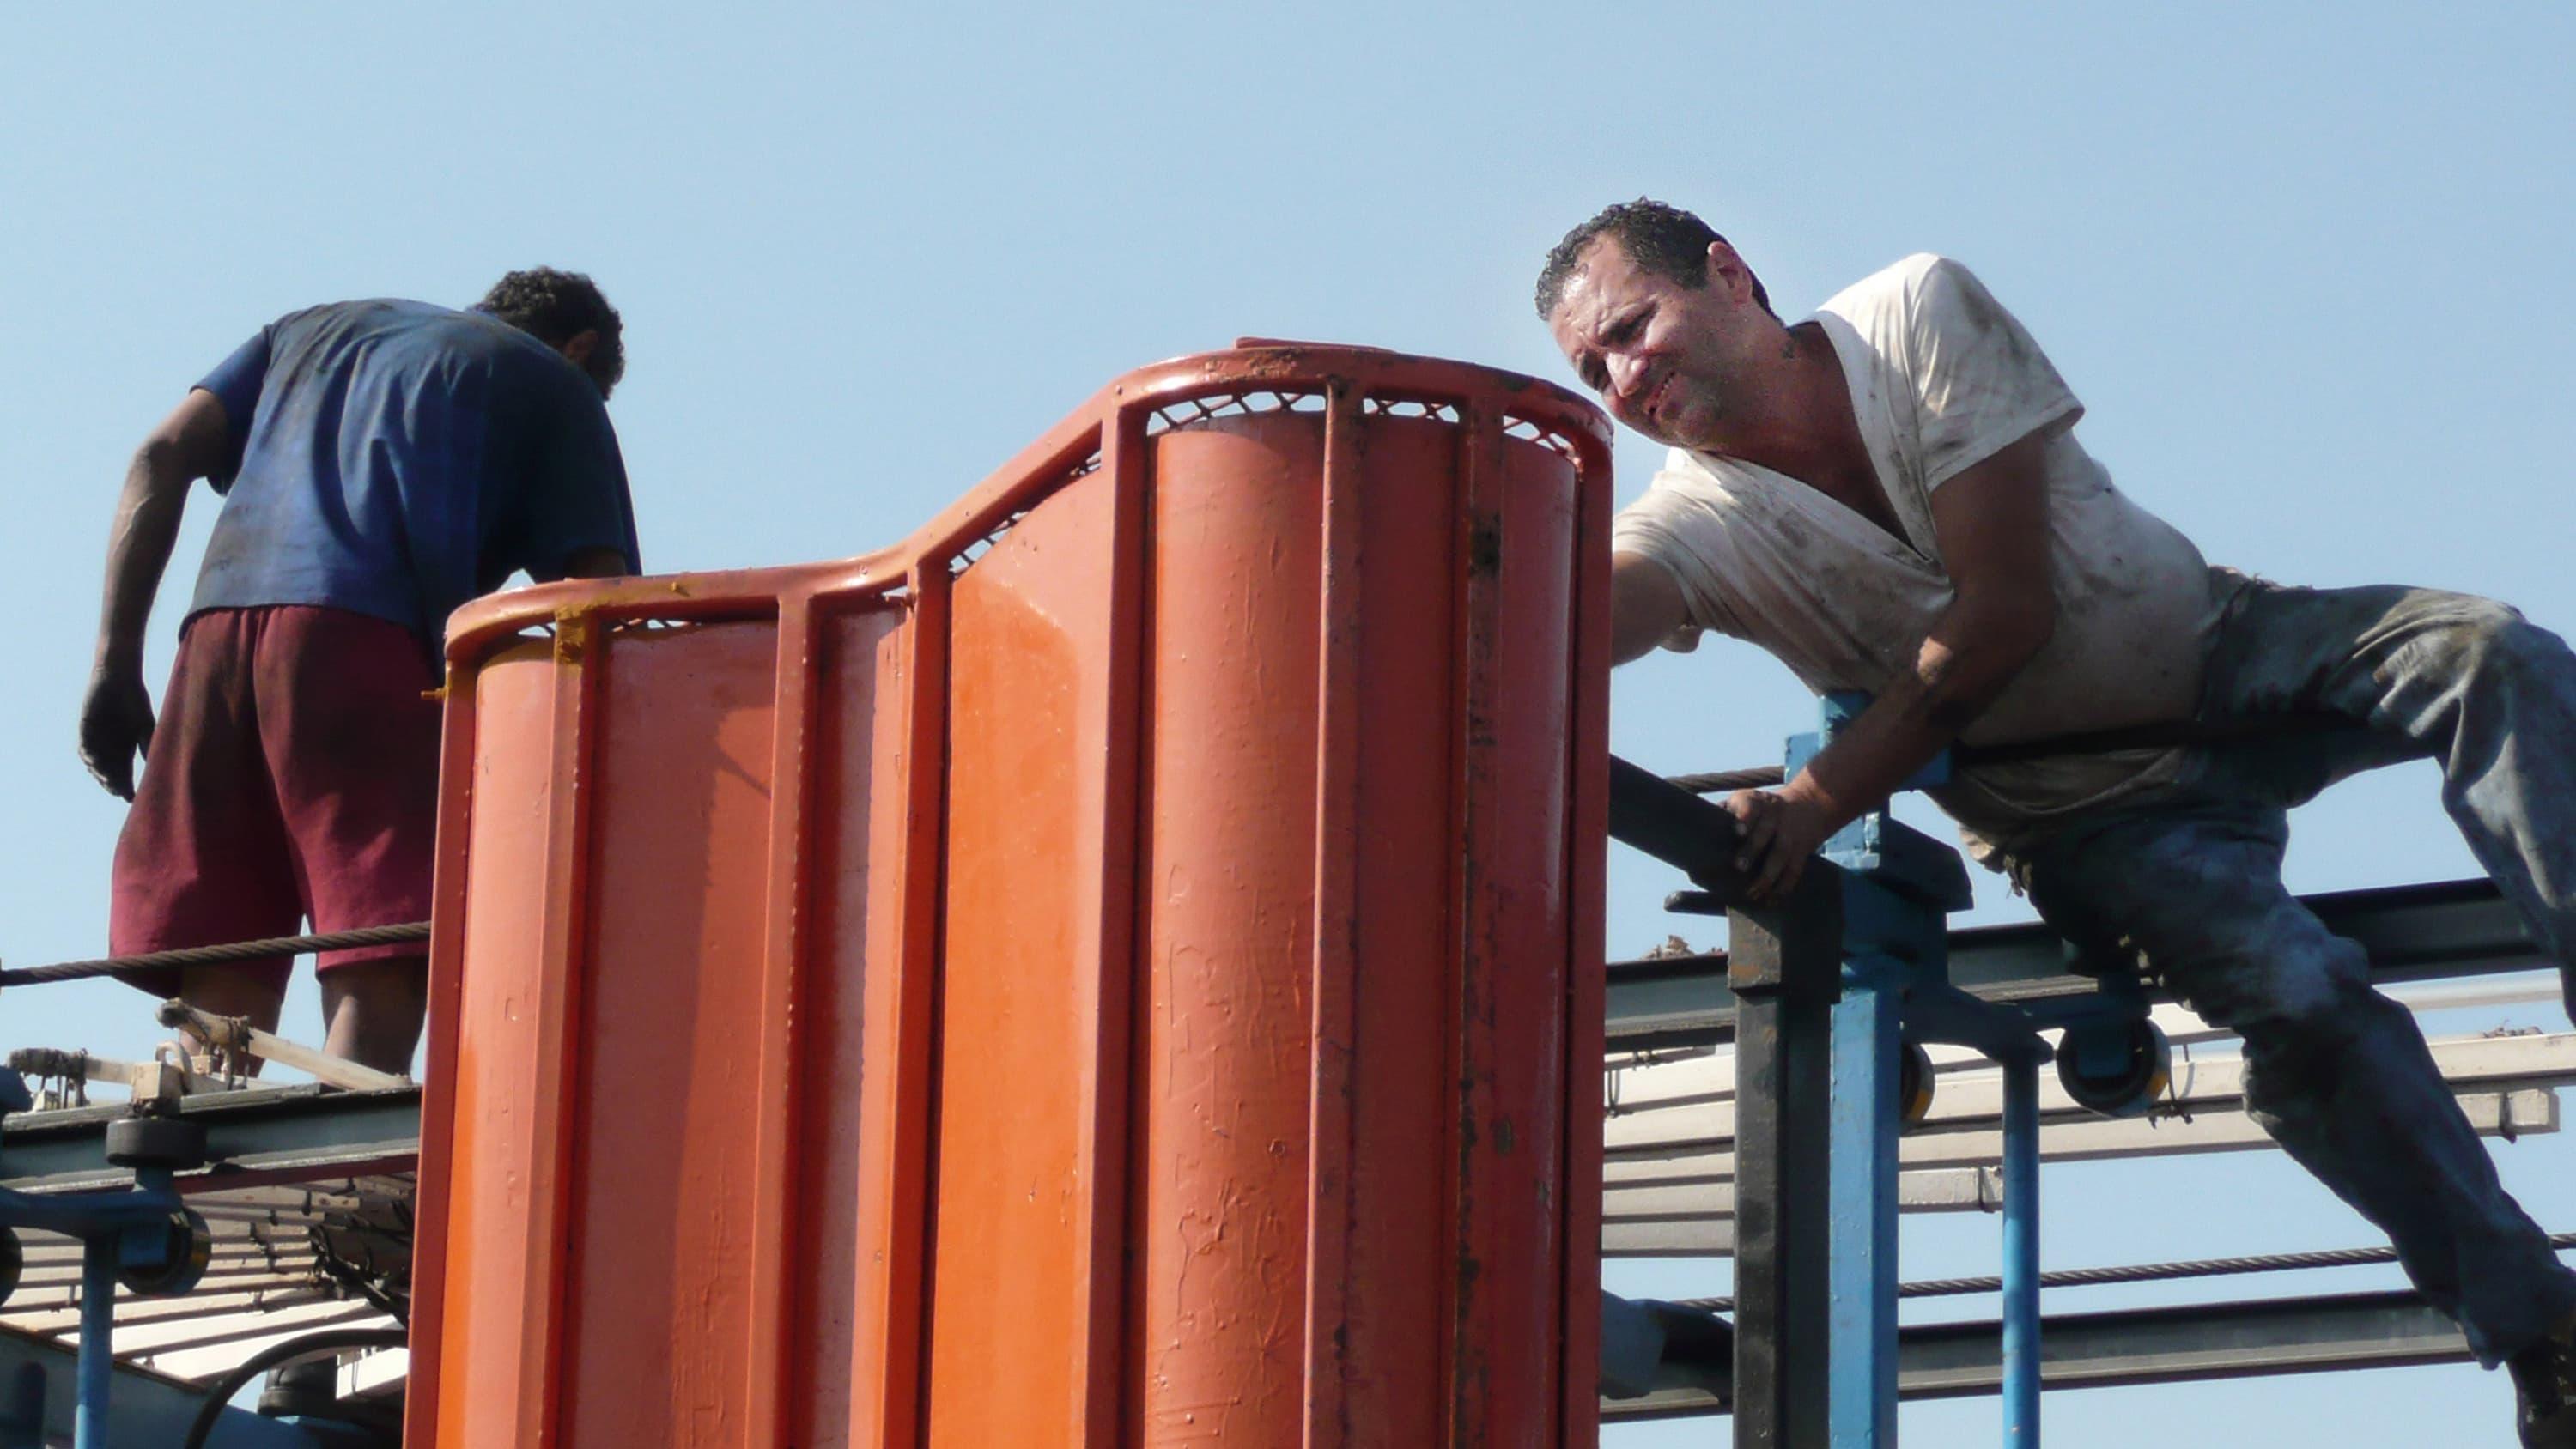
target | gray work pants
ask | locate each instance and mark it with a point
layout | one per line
(2187, 881)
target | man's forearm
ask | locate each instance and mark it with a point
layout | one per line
(1961, 667)
(139, 541)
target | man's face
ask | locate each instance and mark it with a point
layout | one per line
(1666, 359)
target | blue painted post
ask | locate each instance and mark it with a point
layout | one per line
(2021, 1251)
(97, 1341)
(1862, 1186)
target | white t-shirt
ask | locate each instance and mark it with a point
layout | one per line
(1942, 378)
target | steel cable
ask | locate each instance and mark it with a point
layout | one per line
(2142, 1273)
(1727, 782)
(213, 955)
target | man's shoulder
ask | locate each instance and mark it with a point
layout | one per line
(1694, 483)
(423, 348)
(1892, 289)
(362, 313)
(403, 322)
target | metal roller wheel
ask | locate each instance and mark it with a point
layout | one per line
(1913, 1084)
(189, 1249)
(172, 1142)
(2115, 1069)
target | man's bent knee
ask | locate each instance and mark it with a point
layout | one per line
(2306, 1056)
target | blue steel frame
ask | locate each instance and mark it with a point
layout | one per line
(1828, 985)
(118, 1230)
(1898, 888)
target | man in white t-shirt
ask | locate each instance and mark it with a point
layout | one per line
(1889, 497)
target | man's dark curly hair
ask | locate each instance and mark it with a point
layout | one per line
(1664, 240)
(555, 307)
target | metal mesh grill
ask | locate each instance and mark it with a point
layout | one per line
(1192, 412)
(966, 556)
(1189, 411)
(1406, 407)
(1529, 430)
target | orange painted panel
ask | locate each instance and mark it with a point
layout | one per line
(1395, 1306)
(1448, 1295)
(1027, 683)
(1512, 1130)
(644, 805)
(662, 1213)
(1221, 1210)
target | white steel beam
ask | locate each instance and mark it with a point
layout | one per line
(1678, 1112)
(1686, 1202)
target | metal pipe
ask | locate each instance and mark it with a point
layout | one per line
(247, 1265)
(1861, 1184)
(97, 1342)
(307, 1201)
(47, 1255)
(2021, 1253)
(47, 1320)
(345, 1313)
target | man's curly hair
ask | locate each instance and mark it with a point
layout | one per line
(1664, 241)
(555, 307)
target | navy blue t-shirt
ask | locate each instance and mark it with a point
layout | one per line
(397, 459)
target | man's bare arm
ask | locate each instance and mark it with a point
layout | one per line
(1993, 525)
(116, 713)
(1645, 606)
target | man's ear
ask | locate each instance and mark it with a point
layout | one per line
(578, 347)
(1727, 273)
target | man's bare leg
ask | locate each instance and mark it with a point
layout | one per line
(375, 1009)
(235, 989)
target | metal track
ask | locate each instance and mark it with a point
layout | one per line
(2413, 933)
(2149, 1346)
(270, 1134)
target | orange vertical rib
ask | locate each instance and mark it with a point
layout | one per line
(1479, 563)
(893, 1311)
(1107, 1081)
(1587, 835)
(1331, 1112)
(438, 1109)
(774, 1196)
(578, 641)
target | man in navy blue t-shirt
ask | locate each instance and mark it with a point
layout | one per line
(381, 463)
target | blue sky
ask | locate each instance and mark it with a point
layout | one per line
(2306, 274)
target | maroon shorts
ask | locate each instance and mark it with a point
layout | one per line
(293, 775)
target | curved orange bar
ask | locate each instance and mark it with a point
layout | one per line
(1119, 968)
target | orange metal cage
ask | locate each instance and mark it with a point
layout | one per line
(817, 998)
